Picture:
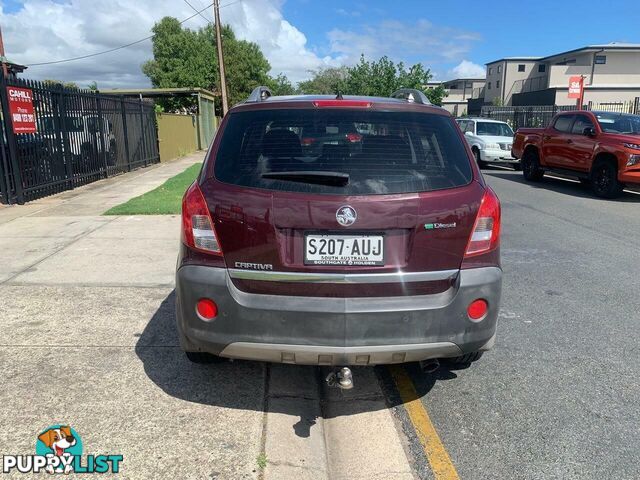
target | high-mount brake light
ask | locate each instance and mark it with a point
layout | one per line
(342, 103)
(197, 227)
(485, 236)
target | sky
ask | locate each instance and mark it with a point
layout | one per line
(300, 36)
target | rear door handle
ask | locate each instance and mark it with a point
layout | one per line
(547, 137)
(569, 141)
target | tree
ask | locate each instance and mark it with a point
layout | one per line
(93, 86)
(376, 78)
(280, 85)
(188, 58)
(325, 81)
(59, 83)
(436, 94)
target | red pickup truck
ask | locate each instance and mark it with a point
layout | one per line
(600, 148)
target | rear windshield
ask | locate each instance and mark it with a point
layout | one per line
(375, 152)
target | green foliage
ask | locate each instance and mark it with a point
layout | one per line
(436, 95)
(262, 461)
(93, 86)
(375, 78)
(188, 58)
(497, 102)
(281, 85)
(60, 83)
(325, 81)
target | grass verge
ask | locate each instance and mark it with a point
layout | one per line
(163, 200)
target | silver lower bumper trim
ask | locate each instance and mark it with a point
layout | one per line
(325, 355)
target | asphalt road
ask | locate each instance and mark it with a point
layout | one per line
(559, 395)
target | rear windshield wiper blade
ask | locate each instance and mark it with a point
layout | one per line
(337, 179)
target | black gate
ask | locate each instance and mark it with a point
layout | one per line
(81, 137)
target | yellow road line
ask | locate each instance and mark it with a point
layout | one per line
(437, 455)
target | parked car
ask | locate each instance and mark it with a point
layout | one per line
(388, 255)
(84, 139)
(490, 141)
(600, 148)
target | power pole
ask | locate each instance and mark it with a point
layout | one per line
(223, 81)
(3, 58)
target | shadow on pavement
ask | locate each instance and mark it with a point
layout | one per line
(557, 185)
(241, 384)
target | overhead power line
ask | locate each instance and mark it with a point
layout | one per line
(199, 12)
(90, 55)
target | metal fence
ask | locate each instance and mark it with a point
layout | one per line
(518, 117)
(541, 115)
(79, 137)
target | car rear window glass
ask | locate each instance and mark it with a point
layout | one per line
(381, 152)
(494, 129)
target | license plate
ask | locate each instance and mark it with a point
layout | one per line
(356, 250)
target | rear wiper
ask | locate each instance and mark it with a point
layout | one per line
(337, 179)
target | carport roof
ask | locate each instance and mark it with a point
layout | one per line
(162, 92)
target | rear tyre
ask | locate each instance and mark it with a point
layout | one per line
(531, 167)
(481, 163)
(465, 359)
(203, 358)
(604, 180)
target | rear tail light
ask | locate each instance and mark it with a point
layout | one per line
(354, 137)
(307, 141)
(486, 231)
(197, 226)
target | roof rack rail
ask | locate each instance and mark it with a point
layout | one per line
(259, 94)
(411, 95)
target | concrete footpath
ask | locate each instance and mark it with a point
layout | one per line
(88, 339)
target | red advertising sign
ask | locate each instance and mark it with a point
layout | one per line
(21, 110)
(575, 87)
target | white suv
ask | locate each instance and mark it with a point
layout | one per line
(490, 140)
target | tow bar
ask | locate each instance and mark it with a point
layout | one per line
(341, 378)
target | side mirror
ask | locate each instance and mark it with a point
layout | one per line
(468, 133)
(589, 132)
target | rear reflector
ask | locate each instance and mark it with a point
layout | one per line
(477, 309)
(354, 137)
(486, 231)
(207, 309)
(342, 103)
(197, 226)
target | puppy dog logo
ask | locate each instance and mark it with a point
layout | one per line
(59, 441)
(59, 450)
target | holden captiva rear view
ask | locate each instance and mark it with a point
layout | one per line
(339, 231)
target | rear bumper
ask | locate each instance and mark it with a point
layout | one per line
(498, 156)
(335, 331)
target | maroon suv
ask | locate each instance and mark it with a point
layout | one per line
(382, 252)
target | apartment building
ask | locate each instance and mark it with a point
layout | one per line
(459, 91)
(611, 74)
